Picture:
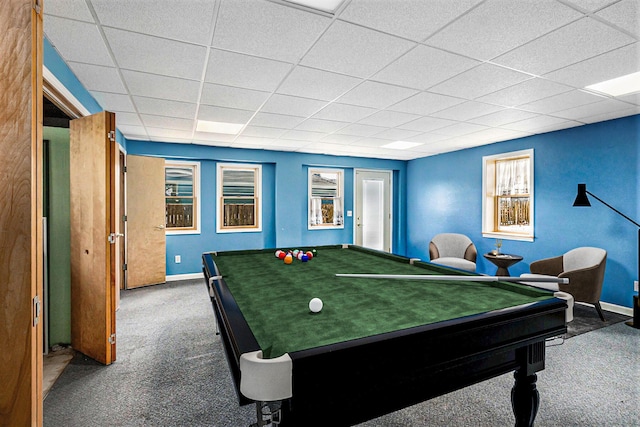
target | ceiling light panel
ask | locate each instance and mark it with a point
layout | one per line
(619, 86)
(401, 145)
(218, 127)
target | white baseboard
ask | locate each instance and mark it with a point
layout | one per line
(189, 276)
(627, 311)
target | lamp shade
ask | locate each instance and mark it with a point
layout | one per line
(581, 198)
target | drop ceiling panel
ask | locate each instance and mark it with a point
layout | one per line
(434, 66)
(624, 14)
(232, 97)
(478, 81)
(162, 107)
(317, 125)
(591, 5)
(427, 124)
(525, 92)
(460, 129)
(343, 112)
(467, 110)
(267, 29)
(162, 87)
(354, 50)
(426, 103)
(337, 138)
(588, 110)
(406, 18)
(131, 119)
(397, 134)
(616, 63)
(609, 115)
(189, 21)
(114, 101)
(98, 78)
(166, 123)
(302, 135)
(317, 84)
(292, 105)
(575, 42)
(222, 114)
(498, 26)
(357, 129)
(156, 55)
(276, 120)
(262, 132)
(562, 101)
(72, 38)
(376, 95)
(389, 118)
(502, 117)
(71, 9)
(535, 124)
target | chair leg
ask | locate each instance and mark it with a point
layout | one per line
(597, 305)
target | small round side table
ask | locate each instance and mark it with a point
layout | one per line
(503, 262)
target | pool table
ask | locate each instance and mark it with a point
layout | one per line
(377, 345)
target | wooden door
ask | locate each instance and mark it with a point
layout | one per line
(93, 153)
(21, 250)
(146, 251)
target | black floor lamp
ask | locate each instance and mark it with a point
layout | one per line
(583, 200)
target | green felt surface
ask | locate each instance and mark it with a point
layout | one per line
(274, 297)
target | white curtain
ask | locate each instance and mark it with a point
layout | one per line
(338, 217)
(512, 177)
(315, 211)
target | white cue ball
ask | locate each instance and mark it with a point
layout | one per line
(315, 305)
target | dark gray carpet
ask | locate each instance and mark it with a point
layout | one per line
(586, 319)
(171, 371)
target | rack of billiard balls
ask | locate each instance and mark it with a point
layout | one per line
(290, 255)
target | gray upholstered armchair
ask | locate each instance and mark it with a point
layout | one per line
(453, 250)
(584, 267)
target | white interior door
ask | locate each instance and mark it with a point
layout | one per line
(373, 209)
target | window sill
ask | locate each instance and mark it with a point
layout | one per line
(507, 236)
(239, 230)
(180, 232)
(326, 227)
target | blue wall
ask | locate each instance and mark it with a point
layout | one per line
(444, 194)
(284, 185)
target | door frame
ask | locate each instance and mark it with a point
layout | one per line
(389, 222)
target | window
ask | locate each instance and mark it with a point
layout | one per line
(181, 190)
(507, 205)
(325, 198)
(239, 198)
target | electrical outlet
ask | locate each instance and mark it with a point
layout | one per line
(178, 259)
(635, 285)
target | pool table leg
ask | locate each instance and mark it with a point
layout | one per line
(525, 398)
(268, 414)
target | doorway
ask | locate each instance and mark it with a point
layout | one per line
(373, 209)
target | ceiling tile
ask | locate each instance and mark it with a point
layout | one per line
(98, 78)
(389, 118)
(262, 132)
(222, 114)
(302, 135)
(435, 65)
(427, 124)
(162, 107)
(131, 131)
(459, 129)
(610, 115)
(575, 42)
(317, 125)
(396, 134)
(316, 84)
(426, 103)
(562, 101)
(233, 69)
(169, 134)
(413, 19)
(114, 101)
(360, 130)
(186, 20)
(343, 112)
(496, 134)
(591, 5)
(428, 138)
(154, 86)
(232, 97)
(71, 39)
(292, 105)
(275, 120)
(498, 26)
(337, 138)
(478, 81)
(155, 55)
(502, 117)
(370, 142)
(353, 50)
(267, 29)
(130, 119)
(618, 62)
(534, 124)
(527, 91)
(376, 95)
(625, 14)
(162, 122)
(588, 110)
(467, 111)
(218, 139)
(72, 9)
